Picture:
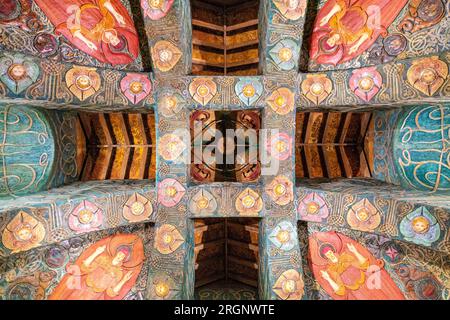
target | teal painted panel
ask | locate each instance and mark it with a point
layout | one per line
(421, 148)
(27, 150)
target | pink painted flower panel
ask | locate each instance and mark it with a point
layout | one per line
(170, 192)
(366, 83)
(135, 87)
(313, 208)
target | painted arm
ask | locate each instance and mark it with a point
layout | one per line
(332, 283)
(92, 257)
(358, 43)
(89, 43)
(114, 12)
(122, 282)
(361, 259)
(327, 18)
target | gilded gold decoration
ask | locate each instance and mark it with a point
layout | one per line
(168, 239)
(249, 202)
(428, 75)
(83, 82)
(165, 55)
(316, 87)
(203, 90)
(364, 216)
(137, 208)
(289, 285)
(23, 233)
(282, 101)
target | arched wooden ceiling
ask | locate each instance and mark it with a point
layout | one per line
(225, 37)
(334, 145)
(118, 146)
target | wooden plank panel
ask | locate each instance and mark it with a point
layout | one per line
(345, 162)
(137, 170)
(81, 146)
(331, 128)
(332, 161)
(102, 161)
(313, 128)
(299, 169)
(369, 144)
(313, 162)
(152, 146)
(343, 134)
(122, 153)
(100, 126)
(101, 165)
(203, 24)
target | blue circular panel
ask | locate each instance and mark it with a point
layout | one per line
(421, 148)
(27, 150)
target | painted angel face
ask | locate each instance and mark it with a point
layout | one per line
(86, 217)
(170, 192)
(420, 227)
(118, 258)
(18, 72)
(364, 216)
(313, 208)
(249, 202)
(331, 256)
(428, 75)
(135, 87)
(280, 190)
(282, 101)
(83, 82)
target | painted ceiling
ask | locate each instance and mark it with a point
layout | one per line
(101, 196)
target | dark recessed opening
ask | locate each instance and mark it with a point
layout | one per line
(226, 258)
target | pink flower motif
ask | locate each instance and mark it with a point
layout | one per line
(366, 83)
(170, 192)
(86, 217)
(313, 208)
(135, 87)
(156, 9)
(280, 146)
